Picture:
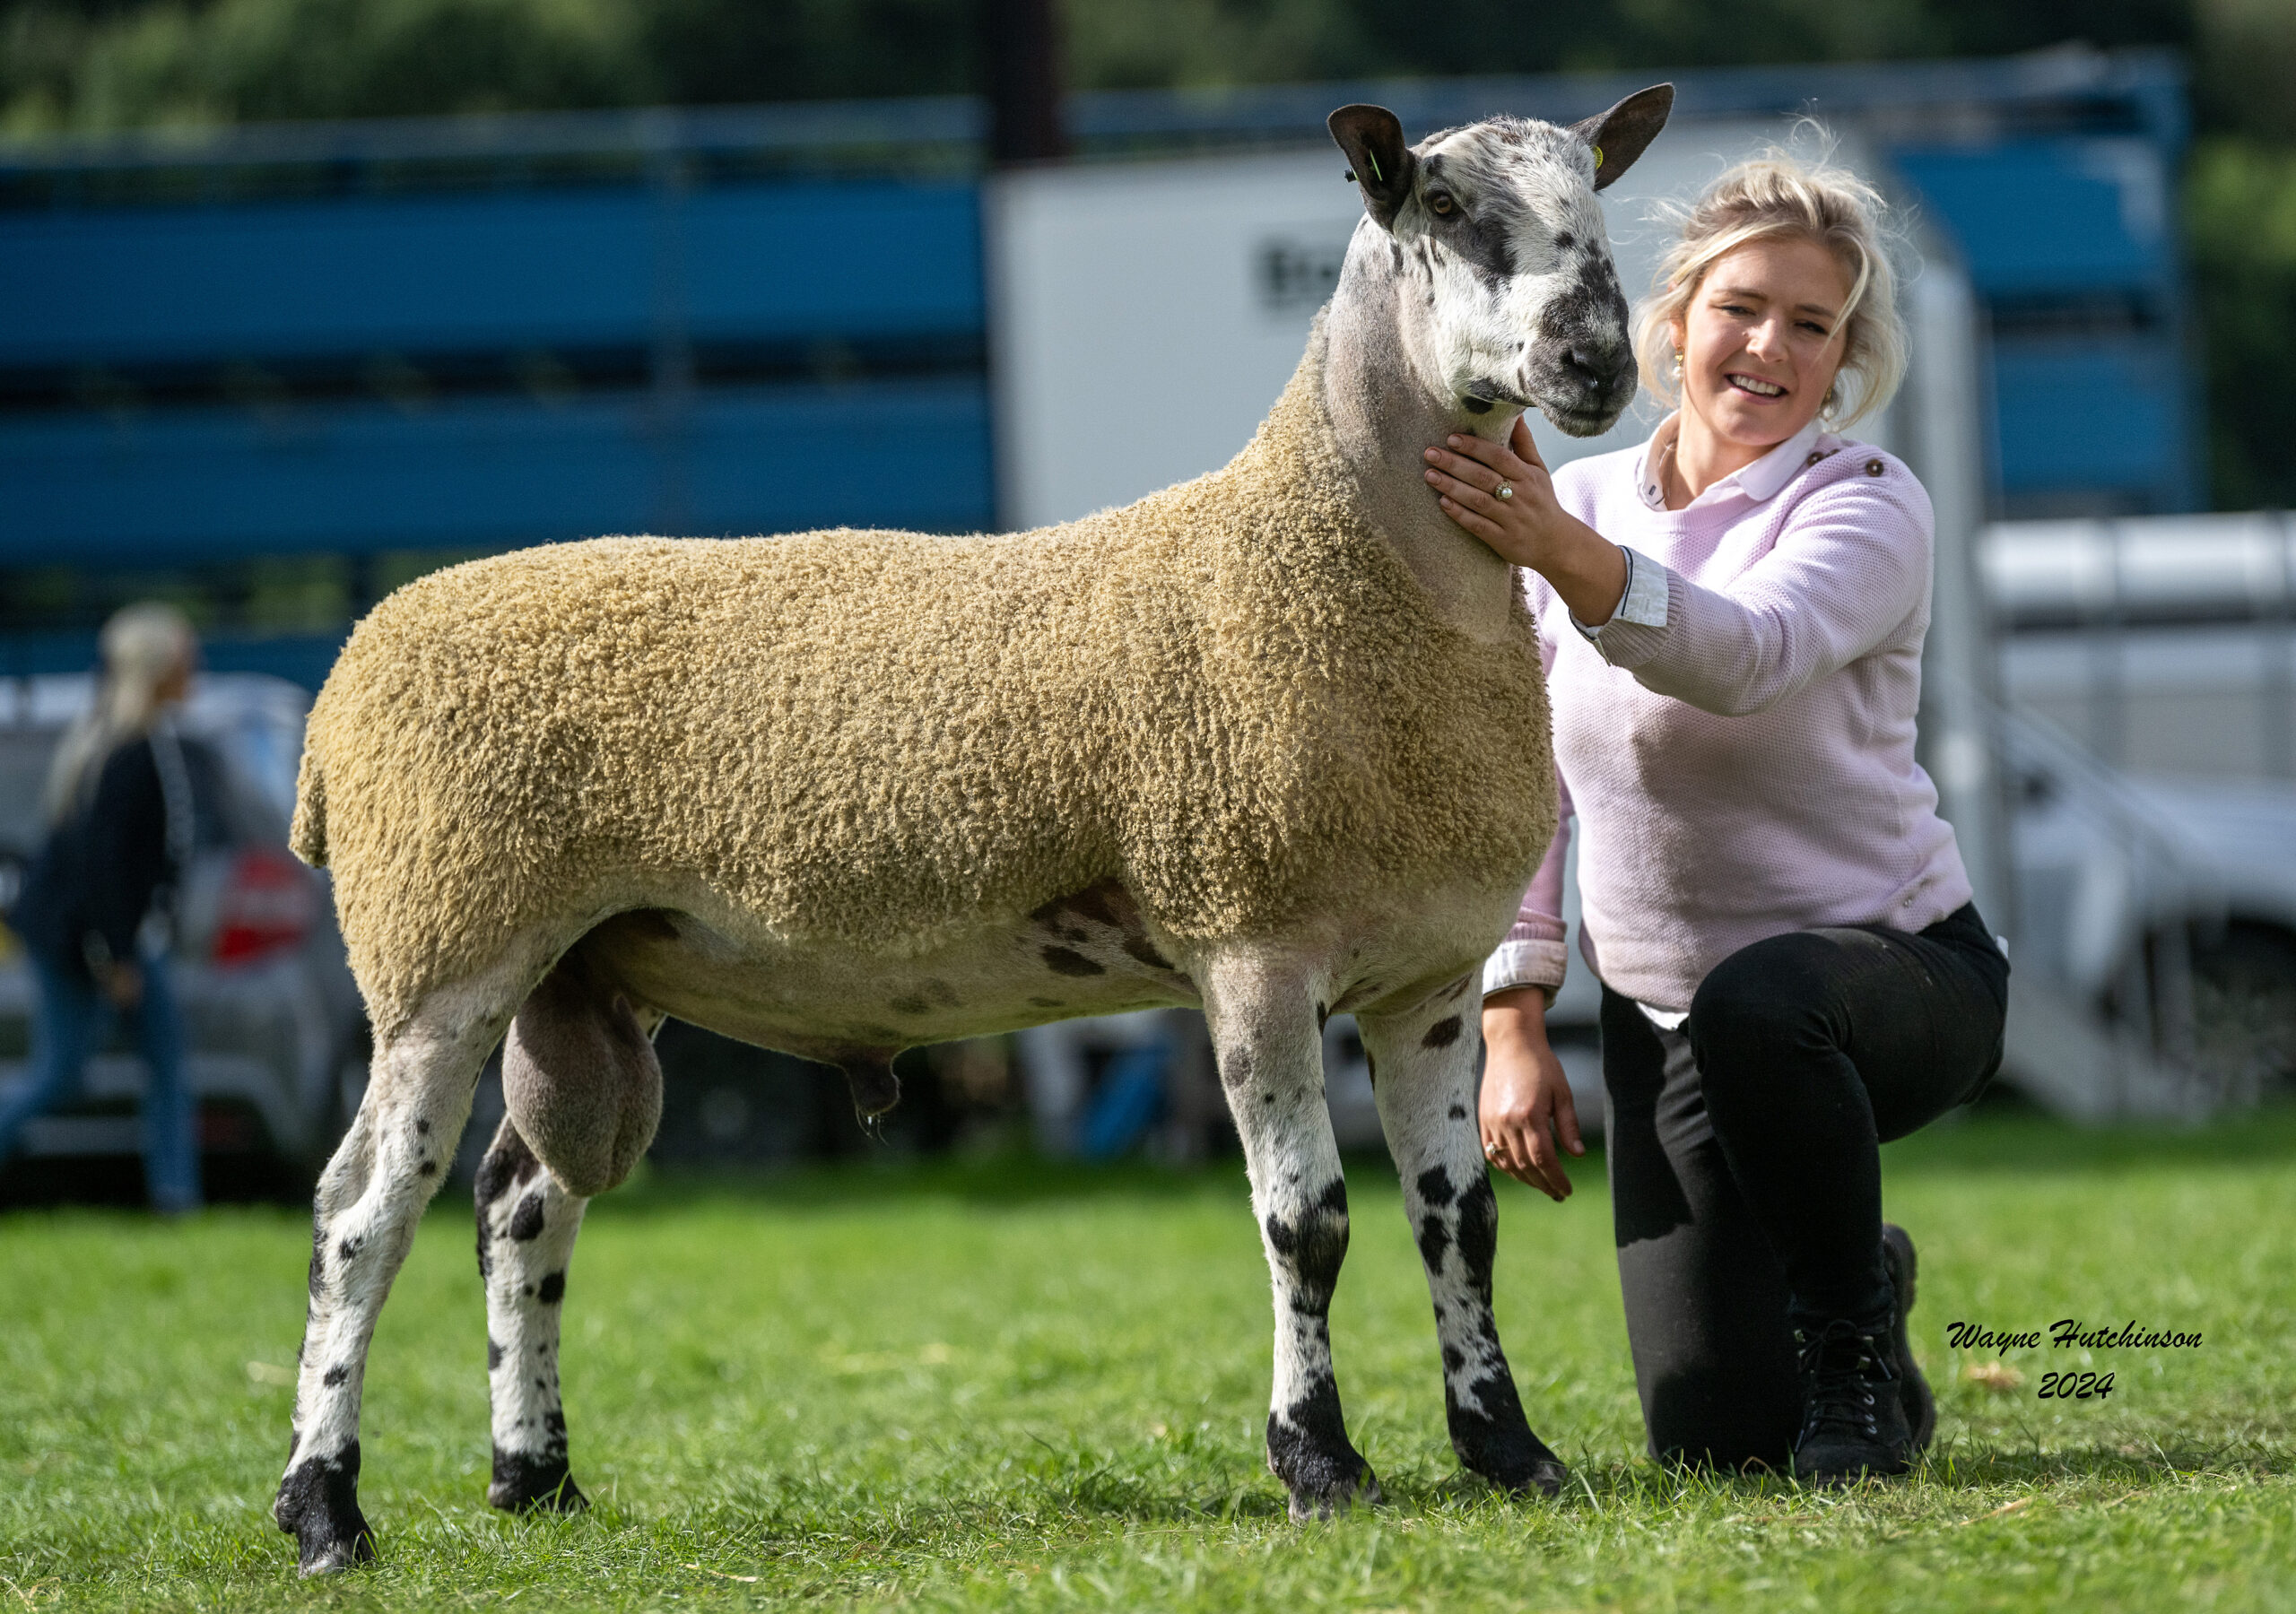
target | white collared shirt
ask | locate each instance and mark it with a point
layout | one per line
(1644, 601)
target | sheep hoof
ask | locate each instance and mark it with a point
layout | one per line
(1499, 1447)
(318, 1505)
(525, 1484)
(1311, 1452)
(1329, 1503)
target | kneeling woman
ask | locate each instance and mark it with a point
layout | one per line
(1793, 972)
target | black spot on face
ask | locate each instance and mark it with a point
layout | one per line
(1443, 1033)
(526, 1221)
(1564, 241)
(427, 1169)
(1458, 1112)
(348, 1250)
(334, 1376)
(421, 1127)
(493, 1355)
(553, 1287)
(1061, 961)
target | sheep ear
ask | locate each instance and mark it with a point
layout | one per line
(1621, 135)
(1379, 160)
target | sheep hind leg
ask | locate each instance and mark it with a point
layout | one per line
(1270, 1055)
(526, 1225)
(1422, 1061)
(370, 1199)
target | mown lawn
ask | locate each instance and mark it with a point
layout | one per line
(1012, 1385)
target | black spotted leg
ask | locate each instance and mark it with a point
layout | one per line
(526, 1225)
(1423, 1061)
(1270, 1054)
(370, 1197)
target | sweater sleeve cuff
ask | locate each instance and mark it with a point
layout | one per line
(1627, 643)
(1540, 964)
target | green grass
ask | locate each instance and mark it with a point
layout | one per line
(1013, 1384)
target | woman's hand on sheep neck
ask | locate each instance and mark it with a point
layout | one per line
(1527, 528)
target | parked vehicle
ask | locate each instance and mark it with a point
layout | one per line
(276, 1031)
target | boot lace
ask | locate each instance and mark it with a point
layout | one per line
(1842, 1370)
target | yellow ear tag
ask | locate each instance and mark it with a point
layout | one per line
(1598, 159)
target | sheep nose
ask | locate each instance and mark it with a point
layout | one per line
(1590, 370)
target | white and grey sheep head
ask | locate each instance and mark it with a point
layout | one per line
(1507, 298)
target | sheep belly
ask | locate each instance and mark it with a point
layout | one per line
(1086, 954)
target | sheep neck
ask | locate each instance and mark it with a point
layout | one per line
(1384, 416)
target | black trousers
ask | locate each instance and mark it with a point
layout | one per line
(1744, 1158)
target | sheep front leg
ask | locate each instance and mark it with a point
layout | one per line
(370, 1199)
(1270, 1055)
(1423, 1065)
(526, 1225)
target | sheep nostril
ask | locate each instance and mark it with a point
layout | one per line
(1583, 368)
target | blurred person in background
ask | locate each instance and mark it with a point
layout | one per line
(1793, 973)
(91, 914)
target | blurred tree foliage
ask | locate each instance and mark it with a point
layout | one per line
(107, 64)
(2240, 230)
(111, 64)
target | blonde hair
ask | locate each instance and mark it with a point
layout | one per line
(1774, 196)
(143, 646)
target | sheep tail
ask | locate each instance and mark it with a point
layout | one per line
(308, 838)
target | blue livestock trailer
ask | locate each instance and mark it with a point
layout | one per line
(433, 337)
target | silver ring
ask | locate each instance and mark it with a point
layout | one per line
(1491, 1151)
(1506, 489)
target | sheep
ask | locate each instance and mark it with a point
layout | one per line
(1272, 741)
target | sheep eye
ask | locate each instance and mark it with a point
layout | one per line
(1441, 204)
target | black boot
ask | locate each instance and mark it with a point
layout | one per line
(1853, 1414)
(1920, 1403)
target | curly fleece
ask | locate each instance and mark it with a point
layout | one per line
(1233, 697)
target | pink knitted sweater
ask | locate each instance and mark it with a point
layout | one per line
(1738, 741)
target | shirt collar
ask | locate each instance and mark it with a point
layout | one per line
(1758, 481)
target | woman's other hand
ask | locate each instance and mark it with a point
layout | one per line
(1526, 527)
(1528, 1118)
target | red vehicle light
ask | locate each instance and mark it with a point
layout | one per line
(266, 907)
